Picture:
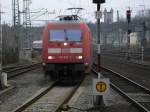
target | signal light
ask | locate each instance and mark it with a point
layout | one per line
(128, 13)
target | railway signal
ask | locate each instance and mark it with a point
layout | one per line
(98, 2)
(128, 14)
(99, 101)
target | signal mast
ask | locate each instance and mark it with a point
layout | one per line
(128, 15)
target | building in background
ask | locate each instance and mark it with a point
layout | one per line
(108, 16)
(145, 13)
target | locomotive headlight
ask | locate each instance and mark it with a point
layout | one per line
(80, 57)
(65, 44)
(50, 57)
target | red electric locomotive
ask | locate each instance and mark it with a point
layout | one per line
(66, 48)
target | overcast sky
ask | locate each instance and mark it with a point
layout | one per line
(59, 6)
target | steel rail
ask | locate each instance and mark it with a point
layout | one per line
(70, 95)
(133, 56)
(20, 67)
(124, 94)
(20, 70)
(140, 65)
(127, 79)
(43, 92)
(16, 72)
(11, 67)
(34, 98)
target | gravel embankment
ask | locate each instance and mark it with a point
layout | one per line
(27, 85)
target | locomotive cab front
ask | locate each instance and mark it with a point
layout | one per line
(64, 52)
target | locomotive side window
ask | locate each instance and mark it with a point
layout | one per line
(74, 34)
(56, 35)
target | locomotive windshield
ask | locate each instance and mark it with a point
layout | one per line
(65, 34)
(57, 35)
(74, 35)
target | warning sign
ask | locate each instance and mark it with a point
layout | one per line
(100, 86)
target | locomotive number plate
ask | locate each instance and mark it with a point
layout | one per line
(65, 50)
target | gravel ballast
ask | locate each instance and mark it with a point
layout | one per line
(83, 99)
(26, 85)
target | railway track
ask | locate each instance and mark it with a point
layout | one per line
(136, 94)
(133, 55)
(51, 98)
(14, 71)
(11, 67)
(137, 64)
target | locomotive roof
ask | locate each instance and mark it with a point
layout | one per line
(65, 22)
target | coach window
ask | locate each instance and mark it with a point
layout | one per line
(74, 34)
(57, 35)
